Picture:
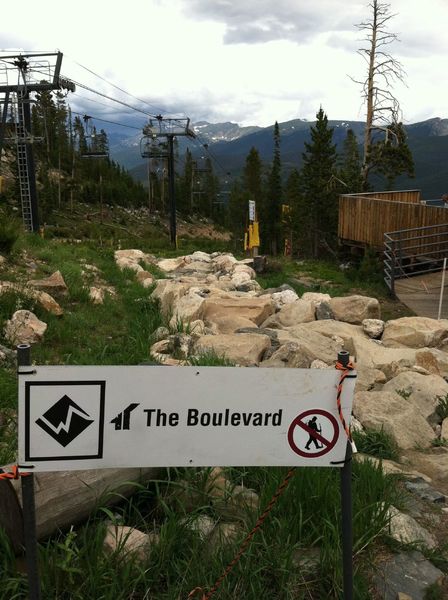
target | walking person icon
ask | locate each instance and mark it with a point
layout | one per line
(312, 424)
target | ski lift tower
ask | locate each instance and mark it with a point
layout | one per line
(21, 75)
(161, 127)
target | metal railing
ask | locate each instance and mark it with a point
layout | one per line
(410, 252)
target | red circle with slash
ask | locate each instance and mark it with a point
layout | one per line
(327, 443)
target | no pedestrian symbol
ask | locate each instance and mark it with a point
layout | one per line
(313, 433)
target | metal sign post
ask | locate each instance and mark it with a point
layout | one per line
(29, 510)
(347, 509)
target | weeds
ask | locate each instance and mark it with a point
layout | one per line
(9, 234)
(439, 442)
(376, 443)
(442, 407)
(405, 394)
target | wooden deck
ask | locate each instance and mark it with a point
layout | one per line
(421, 294)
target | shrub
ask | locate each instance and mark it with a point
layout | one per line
(9, 234)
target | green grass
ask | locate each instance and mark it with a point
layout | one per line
(73, 565)
(323, 276)
(8, 417)
(376, 443)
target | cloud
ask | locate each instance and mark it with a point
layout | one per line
(261, 21)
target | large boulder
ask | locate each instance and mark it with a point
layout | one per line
(54, 284)
(168, 292)
(130, 543)
(354, 309)
(245, 349)
(396, 416)
(406, 530)
(291, 314)
(256, 310)
(291, 354)
(188, 307)
(337, 330)
(421, 391)
(196, 267)
(316, 297)
(311, 344)
(130, 259)
(368, 378)
(224, 263)
(373, 328)
(167, 265)
(24, 328)
(198, 256)
(427, 359)
(415, 332)
(370, 353)
(240, 267)
(48, 303)
(240, 278)
(145, 278)
(230, 324)
(284, 297)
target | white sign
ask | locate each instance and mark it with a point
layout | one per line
(96, 417)
(251, 210)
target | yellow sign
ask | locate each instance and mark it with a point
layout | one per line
(252, 236)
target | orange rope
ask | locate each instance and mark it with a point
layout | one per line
(261, 519)
(345, 371)
(13, 474)
(281, 488)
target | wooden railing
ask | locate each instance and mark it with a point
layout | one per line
(412, 196)
(364, 219)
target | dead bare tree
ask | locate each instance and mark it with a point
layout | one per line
(383, 70)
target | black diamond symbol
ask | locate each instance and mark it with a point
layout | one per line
(64, 421)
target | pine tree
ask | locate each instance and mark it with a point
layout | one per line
(252, 176)
(252, 187)
(271, 211)
(211, 188)
(320, 207)
(392, 156)
(184, 202)
(237, 214)
(351, 164)
(293, 222)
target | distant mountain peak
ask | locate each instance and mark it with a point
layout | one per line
(222, 132)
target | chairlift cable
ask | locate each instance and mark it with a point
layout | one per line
(106, 120)
(116, 86)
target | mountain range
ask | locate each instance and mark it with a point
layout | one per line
(229, 145)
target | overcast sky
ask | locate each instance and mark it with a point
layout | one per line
(248, 61)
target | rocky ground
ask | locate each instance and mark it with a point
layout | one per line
(214, 304)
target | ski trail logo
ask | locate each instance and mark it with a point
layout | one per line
(64, 421)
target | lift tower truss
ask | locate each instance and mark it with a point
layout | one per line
(20, 76)
(168, 128)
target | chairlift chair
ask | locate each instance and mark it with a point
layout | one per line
(153, 148)
(90, 139)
